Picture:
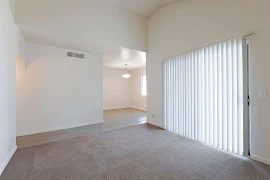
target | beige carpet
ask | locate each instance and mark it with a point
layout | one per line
(138, 152)
(113, 119)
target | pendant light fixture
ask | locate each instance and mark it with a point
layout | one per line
(126, 75)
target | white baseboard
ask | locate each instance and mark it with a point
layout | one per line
(8, 158)
(142, 109)
(107, 109)
(58, 128)
(155, 124)
(114, 108)
(260, 159)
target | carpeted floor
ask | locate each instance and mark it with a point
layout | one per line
(137, 152)
(113, 119)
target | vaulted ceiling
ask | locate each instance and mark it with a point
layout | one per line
(80, 24)
(98, 26)
(145, 8)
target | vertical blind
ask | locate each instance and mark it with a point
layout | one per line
(203, 95)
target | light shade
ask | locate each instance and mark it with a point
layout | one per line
(126, 76)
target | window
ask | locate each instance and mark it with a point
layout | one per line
(143, 86)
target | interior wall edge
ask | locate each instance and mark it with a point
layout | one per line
(8, 158)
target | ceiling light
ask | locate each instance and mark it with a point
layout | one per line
(126, 75)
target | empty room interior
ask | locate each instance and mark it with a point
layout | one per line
(124, 88)
(145, 89)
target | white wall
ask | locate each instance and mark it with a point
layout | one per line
(11, 45)
(123, 93)
(137, 101)
(57, 91)
(115, 90)
(191, 24)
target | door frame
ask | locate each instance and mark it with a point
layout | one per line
(246, 97)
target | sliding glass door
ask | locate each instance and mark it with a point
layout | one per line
(205, 95)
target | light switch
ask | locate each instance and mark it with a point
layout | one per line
(263, 94)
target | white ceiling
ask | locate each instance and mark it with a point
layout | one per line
(120, 57)
(97, 26)
(86, 25)
(145, 8)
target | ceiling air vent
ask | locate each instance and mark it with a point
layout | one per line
(76, 55)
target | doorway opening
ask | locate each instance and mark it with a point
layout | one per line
(124, 88)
